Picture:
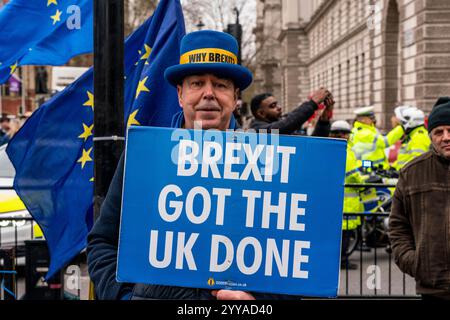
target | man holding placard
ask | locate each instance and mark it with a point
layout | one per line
(199, 198)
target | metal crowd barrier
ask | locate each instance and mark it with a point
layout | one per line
(376, 275)
(24, 262)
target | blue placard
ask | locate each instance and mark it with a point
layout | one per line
(235, 210)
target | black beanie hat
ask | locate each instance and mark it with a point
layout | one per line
(440, 115)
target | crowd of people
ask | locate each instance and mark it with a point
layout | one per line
(209, 93)
(417, 148)
(408, 139)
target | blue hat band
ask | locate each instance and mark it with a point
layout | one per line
(208, 55)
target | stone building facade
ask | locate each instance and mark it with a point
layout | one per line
(381, 53)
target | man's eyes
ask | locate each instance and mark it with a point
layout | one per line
(221, 85)
(196, 84)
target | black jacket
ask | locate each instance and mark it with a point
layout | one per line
(294, 121)
(102, 257)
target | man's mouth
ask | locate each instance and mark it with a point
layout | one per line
(208, 108)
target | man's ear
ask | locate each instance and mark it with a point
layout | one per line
(260, 113)
(236, 94)
(236, 97)
(180, 95)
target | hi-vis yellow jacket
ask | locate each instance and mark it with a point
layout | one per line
(416, 143)
(352, 202)
(369, 144)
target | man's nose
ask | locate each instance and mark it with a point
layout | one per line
(447, 135)
(208, 92)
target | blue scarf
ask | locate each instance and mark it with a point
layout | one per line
(178, 121)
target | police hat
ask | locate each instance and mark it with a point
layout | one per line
(209, 51)
(365, 111)
(341, 126)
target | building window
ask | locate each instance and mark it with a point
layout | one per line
(348, 84)
(357, 80)
(332, 80)
(339, 86)
(363, 79)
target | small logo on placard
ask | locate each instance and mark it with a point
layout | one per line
(211, 282)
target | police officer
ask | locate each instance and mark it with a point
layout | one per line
(368, 143)
(416, 140)
(352, 202)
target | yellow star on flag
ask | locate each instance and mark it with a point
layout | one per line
(146, 55)
(85, 157)
(141, 87)
(13, 68)
(49, 2)
(139, 51)
(132, 119)
(56, 17)
(92, 179)
(90, 102)
(87, 132)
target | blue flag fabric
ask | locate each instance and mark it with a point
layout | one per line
(43, 32)
(53, 151)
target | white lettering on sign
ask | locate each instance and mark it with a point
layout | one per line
(299, 258)
(240, 254)
(251, 195)
(235, 154)
(183, 250)
(214, 265)
(185, 157)
(265, 209)
(209, 161)
(272, 253)
(196, 192)
(277, 210)
(252, 266)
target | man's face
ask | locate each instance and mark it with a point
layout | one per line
(5, 125)
(269, 109)
(209, 99)
(340, 135)
(369, 120)
(440, 137)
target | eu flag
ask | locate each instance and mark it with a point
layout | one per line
(53, 152)
(43, 32)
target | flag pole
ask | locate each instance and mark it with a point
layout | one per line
(108, 97)
(108, 94)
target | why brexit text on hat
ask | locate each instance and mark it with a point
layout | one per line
(208, 55)
(232, 210)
